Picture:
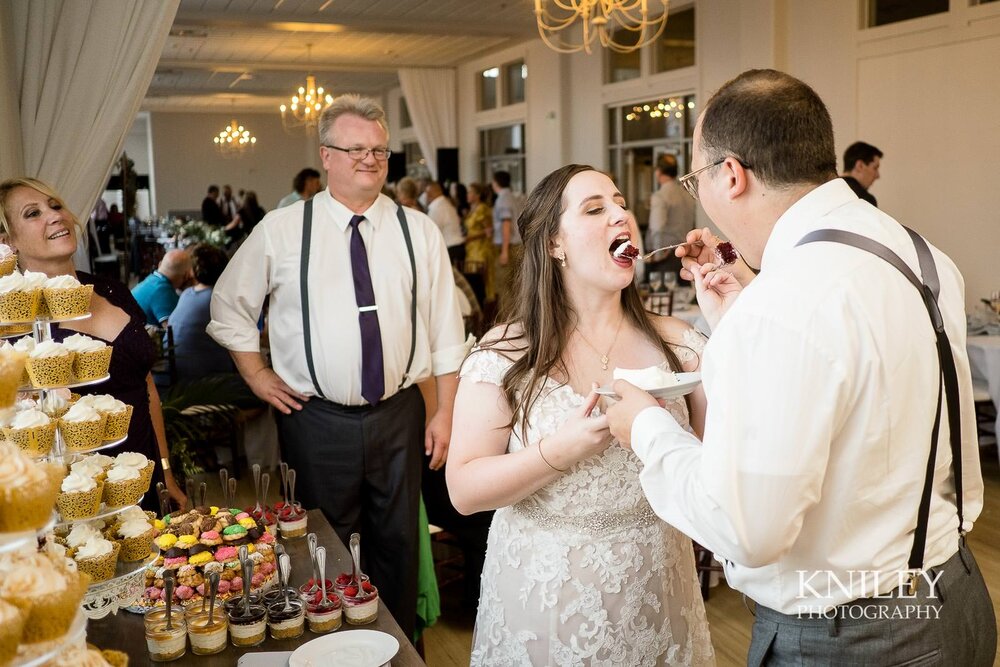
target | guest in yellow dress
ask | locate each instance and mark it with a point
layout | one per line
(479, 241)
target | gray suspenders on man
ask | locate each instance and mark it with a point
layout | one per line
(304, 288)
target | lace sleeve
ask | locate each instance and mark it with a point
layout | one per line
(484, 365)
(690, 348)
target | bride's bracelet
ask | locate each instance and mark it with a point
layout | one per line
(540, 453)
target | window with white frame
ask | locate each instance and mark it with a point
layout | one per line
(503, 149)
(884, 12)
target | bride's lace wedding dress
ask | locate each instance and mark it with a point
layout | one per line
(582, 572)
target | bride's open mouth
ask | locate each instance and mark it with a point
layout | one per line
(623, 253)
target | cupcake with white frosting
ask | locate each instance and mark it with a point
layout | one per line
(65, 297)
(119, 414)
(98, 558)
(11, 374)
(27, 490)
(46, 589)
(92, 357)
(18, 303)
(32, 431)
(128, 479)
(90, 467)
(136, 536)
(138, 461)
(79, 534)
(24, 345)
(49, 364)
(56, 402)
(11, 625)
(8, 263)
(82, 427)
(79, 497)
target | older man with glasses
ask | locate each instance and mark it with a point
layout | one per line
(351, 278)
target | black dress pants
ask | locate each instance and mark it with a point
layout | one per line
(361, 466)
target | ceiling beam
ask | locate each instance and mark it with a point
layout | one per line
(279, 66)
(363, 23)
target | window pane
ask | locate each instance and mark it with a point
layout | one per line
(658, 119)
(622, 66)
(675, 48)
(502, 148)
(881, 12)
(514, 76)
(404, 114)
(488, 88)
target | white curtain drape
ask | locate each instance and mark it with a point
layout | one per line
(74, 73)
(432, 99)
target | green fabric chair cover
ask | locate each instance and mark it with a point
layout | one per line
(428, 596)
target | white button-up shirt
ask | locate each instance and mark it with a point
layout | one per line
(269, 261)
(444, 215)
(822, 384)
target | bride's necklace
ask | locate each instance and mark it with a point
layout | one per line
(604, 357)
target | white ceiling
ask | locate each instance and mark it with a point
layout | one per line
(254, 54)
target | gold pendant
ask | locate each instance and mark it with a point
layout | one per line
(604, 362)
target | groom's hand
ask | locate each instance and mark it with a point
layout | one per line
(623, 413)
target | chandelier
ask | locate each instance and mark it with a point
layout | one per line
(621, 25)
(307, 104)
(234, 140)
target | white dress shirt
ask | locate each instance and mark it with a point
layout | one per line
(268, 262)
(671, 215)
(444, 215)
(821, 383)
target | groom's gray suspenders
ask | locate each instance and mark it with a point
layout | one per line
(929, 290)
(304, 289)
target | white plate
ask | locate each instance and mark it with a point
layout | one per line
(685, 385)
(351, 648)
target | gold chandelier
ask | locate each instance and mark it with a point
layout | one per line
(234, 140)
(307, 104)
(621, 25)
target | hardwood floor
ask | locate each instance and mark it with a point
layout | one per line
(447, 644)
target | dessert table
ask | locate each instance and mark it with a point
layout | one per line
(124, 632)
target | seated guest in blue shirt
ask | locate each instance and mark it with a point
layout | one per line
(197, 353)
(157, 294)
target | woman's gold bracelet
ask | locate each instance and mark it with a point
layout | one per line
(165, 463)
(540, 453)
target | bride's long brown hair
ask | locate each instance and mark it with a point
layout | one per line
(540, 304)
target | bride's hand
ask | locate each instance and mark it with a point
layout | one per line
(580, 436)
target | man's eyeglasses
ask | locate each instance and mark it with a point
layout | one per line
(690, 180)
(359, 154)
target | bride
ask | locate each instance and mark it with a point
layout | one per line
(579, 570)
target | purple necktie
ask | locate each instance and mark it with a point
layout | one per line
(372, 372)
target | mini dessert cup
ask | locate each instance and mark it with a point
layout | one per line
(361, 608)
(323, 619)
(68, 301)
(80, 504)
(52, 371)
(208, 634)
(100, 568)
(292, 522)
(247, 628)
(312, 588)
(286, 624)
(20, 305)
(166, 645)
(117, 424)
(92, 365)
(82, 436)
(34, 440)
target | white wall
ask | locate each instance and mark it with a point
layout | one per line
(186, 161)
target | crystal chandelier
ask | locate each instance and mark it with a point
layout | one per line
(307, 104)
(234, 140)
(621, 25)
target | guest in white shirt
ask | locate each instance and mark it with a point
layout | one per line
(349, 345)
(821, 378)
(443, 213)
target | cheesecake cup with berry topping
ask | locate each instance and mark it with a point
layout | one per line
(361, 604)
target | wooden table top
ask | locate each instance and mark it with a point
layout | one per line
(125, 632)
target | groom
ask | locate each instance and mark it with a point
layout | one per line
(822, 383)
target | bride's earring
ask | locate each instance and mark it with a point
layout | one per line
(561, 256)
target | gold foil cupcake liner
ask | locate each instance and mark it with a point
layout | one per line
(83, 436)
(137, 548)
(29, 507)
(117, 426)
(100, 568)
(34, 440)
(10, 637)
(11, 375)
(20, 306)
(80, 504)
(49, 615)
(92, 365)
(128, 492)
(7, 265)
(50, 371)
(68, 301)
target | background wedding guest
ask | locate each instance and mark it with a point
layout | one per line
(211, 212)
(479, 242)
(506, 237)
(406, 193)
(443, 213)
(861, 169)
(304, 186)
(351, 416)
(159, 292)
(459, 196)
(35, 222)
(671, 216)
(578, 568)
(228, 204)
(822, 379)
(197, 354)
(246, 219)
